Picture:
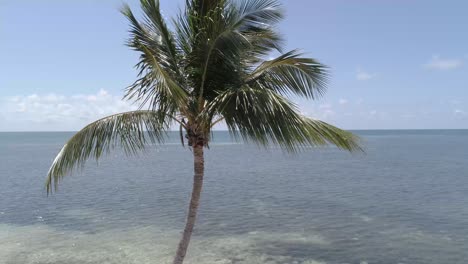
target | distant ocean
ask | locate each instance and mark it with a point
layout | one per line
(404, 201)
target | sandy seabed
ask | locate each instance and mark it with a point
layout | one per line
(42, 244)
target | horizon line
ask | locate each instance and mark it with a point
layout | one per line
(225, 130)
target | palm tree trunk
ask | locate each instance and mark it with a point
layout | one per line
(199, 167)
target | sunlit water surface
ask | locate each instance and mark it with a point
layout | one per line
(404, 201)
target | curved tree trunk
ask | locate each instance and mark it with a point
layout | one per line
(199, 167)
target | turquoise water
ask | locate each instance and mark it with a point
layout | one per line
(404, 201)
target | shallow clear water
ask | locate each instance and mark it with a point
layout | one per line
(404, 201)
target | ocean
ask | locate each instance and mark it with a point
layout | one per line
(405, 200)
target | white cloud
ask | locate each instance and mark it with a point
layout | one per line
(361, 113)
(58, 112)
(437, 63)
(362, 75)
(323, 112)
(342, 101)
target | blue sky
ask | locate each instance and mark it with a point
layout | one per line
(394, 64)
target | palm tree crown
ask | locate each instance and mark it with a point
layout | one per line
(211, 67)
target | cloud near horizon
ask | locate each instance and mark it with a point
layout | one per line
(362, 75)
(55, 112)
(58, 112)
(438, 63)
(342, 101)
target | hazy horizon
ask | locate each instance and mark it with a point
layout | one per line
(225, 130)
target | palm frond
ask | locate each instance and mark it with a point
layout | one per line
(224, 42)
(161, 82)
(257, 13)
(323, 133)
(256, 20)
(265, 117)
(291, 73)
(129, 130)
(156, 86)
(153, 33)
(243, 33)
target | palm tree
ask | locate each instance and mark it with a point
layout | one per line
(209, 68)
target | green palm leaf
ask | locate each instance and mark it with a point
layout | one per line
(157, 86)
(255, 15)
(290, 73)
(265, 117)
(153, 33)
(129, 130)
(218, 45)
(161, 81)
